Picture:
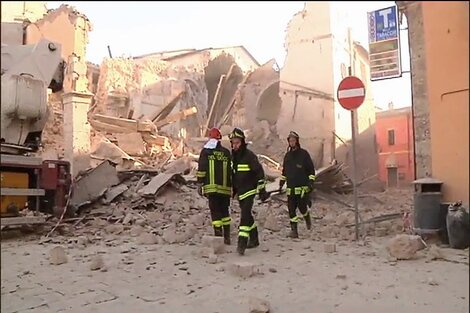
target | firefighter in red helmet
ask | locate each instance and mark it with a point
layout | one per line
(248, 181)
(215, 182)
(299, 172)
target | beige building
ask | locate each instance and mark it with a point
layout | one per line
(319, 52)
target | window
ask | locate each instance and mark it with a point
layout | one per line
(391, 137)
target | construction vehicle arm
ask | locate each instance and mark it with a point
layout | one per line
(27, 72)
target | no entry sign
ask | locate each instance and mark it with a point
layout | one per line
(351, 93)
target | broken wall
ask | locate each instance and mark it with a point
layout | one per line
(260, 94)
(307, 82)
(70, 29)
(318, 56)
(150, 88)
(67, 131)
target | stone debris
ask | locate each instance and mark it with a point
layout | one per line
(436, 253)
(213, 259)
(215, 243)
(97, 263)
(272, 223)
(244, 269)
(57, 256)
(432, 282)
(258, 305)
(147, 239)
(404, 247)
(329, 247)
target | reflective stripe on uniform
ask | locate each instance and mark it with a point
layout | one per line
(244, 231)
(253, 226)
(283, 177)
(243, 168)
(261, 184)
(298, 190)
(201, 174)
(295, 219)
(306, 213)
(217, 188)
(224, 175)
(226, 220)
(312, 177)
(247, 194)
(217, 223)
(211, 172)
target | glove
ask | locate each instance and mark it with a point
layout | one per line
(199, 190)
(263, 195)
(281, 184)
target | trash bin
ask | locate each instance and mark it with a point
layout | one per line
(428, 217)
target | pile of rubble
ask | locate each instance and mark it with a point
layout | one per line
(162, 206)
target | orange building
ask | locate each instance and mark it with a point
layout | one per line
(439, 50)
(394, 135)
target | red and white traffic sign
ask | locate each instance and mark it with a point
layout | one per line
(351, 93)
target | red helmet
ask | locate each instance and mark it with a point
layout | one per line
(214, 133)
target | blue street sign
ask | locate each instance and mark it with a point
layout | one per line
(386, 26)
(384, 43)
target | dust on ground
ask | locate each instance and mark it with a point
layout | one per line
(134, 274)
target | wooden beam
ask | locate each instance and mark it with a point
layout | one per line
(176, 116)
(120, 125)
(157, 115)
(217, 96)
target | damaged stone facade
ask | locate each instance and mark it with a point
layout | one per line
(319, 52)
(154, 85)
(70, 29)
(67, 132)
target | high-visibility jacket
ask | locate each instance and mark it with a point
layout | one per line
(214, 170)
(298, 171)
(248, 174)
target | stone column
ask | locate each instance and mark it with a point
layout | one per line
(77, 130)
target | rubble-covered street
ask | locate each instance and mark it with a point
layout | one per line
(137, 277)
(119, 121)
(146, 255)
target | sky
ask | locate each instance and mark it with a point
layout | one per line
(136, 28)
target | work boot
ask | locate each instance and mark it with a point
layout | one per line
(242, 243)
(227, 234)
(253, 242)
(308, 221)
(293, 232)
(218, 231)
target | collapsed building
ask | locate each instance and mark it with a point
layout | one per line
(143, 110)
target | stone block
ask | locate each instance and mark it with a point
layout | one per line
(215, 243)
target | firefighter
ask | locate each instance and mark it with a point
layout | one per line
(215, 182)
(299, 172)
(248, 181)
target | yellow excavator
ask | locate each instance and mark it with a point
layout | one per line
(28, 181)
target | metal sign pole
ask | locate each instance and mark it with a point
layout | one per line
(354, 170)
